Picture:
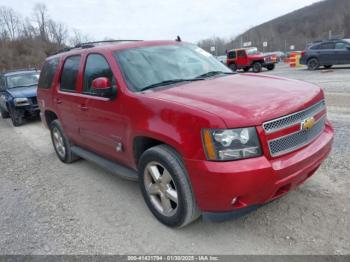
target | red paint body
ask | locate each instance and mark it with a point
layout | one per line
(177, 115)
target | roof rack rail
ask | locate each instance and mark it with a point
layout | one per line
(19, 70)
(87, 44)
(91, 44)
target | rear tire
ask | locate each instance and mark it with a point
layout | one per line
(61, 143)
(166, 188)
(257, 67)
(271, 67)
(328, 66)
(4, 114)
(313, 64)
(233, 67)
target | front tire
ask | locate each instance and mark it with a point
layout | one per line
(271, 67)
(17, 120)
(313, 64)
(4, 114)
(257, 67)
(233, 67)
(61, 143)
(166, 188)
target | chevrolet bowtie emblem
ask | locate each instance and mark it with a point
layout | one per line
(307, 124)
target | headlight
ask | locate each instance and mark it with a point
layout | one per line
(231, 144)
(21, 101)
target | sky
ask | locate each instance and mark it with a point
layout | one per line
(193, 20)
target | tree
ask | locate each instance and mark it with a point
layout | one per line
(9, 22)
(41, 18)
(57, 32)
(78, 37)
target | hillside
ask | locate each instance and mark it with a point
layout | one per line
(314, 22)
(298, 28)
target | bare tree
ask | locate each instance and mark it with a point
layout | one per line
(9, 22)
(78, 37)
(57, 32)
(41, 18)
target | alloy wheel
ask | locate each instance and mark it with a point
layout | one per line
(161, 189)
(58, 142)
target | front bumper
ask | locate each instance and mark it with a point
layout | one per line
(257, 181)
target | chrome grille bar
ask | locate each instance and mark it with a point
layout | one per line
(294, 141)
(293, 119)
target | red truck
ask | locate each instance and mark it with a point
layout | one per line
(247, 58)
(198, 138)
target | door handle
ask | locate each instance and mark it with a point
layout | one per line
(58, 101)
(83, 107)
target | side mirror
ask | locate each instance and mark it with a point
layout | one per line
(103, 87)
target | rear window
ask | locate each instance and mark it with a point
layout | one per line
(48, 73)
(70, 73)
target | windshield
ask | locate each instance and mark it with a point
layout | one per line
(147, 66)
(22, 80)
(252, 51)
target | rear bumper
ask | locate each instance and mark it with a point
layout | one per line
(256, 181)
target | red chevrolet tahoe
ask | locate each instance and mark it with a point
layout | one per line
(199, 138)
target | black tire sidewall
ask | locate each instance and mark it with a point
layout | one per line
(310, 67)
(16, 121)
(178, 218)
(271, 67)
(233, 67)
(257, 67)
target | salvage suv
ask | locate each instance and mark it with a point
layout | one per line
(247, 58)
(18, 95)
(199, 138)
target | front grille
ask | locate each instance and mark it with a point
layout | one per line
(293, 119)
(291, 142)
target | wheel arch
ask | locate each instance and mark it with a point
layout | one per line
(49, 117)
(143, 142)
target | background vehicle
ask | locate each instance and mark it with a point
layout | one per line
(18, 95)
(222, 59)
(247, 58)
(198, 138)
(326, 53)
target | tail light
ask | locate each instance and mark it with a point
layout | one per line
(303, 53)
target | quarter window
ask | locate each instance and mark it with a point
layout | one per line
(96, 66)
(47, 73)
(70, 73)
(328, 46)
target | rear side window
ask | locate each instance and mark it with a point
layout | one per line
(70, 73)
(96, 66)
(241, 53)
(232, 54)
(47, 73)
(327, 46)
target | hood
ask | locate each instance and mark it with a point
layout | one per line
(244, 99)
(23, 91)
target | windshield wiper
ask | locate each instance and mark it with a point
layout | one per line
(170, 82)
(214, 73)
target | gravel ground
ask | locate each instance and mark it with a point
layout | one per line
(47, 207)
